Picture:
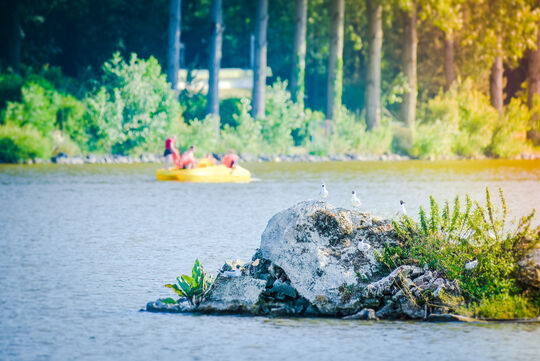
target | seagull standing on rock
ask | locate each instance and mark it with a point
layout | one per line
(362, 246)
(323, 193)
(231, 274)
(403, 210)
(355, 201)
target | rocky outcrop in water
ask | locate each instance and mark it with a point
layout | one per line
(318, 260)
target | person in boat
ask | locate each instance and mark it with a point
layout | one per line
(188, 160)
(171, 154)
(230, 159)
(211, 158)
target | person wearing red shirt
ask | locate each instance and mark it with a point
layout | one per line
(171, 154)
(230, 159)
(188, 159)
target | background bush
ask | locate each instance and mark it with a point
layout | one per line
(130, 109)
(18, 144)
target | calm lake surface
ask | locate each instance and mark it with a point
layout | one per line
(84, 248)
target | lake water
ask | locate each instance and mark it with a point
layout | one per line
(84, 248)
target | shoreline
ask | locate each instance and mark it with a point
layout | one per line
(307, 158)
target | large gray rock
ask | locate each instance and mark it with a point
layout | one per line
(233, 295)
(309, 264)
(316, 246)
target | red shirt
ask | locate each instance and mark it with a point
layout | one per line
(229, 160)
(187, 158)
(169, 143)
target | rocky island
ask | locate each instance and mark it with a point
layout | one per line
(317, 260)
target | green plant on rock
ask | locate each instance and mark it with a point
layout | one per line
(476, 235)
(194, 288)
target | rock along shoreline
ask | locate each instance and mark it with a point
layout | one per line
(153, 158)
(316, 260)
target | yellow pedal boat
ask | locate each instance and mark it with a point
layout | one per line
(205, 174)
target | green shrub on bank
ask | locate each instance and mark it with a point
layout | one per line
(509, 135)
(460, 121)
(450, 238)
(246, 136)
(18, 144)
(502, 307)
(134, 108)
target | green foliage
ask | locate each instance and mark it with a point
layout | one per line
(460, 121)
(193, 288)
(21, 143)
(10, 88)
(134, 108)
(282, 117)
(503, 307)
(447, 239)
(247, 135)
(45, 109)
(508, 139)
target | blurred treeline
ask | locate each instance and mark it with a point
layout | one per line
(476, 66)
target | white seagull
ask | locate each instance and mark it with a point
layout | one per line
(362, 246)
(323, 193)
(469, 266)
(231, 274)
(403, 210)
(355, 201)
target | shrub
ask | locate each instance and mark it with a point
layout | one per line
(134, 108)
(508, 139)
(433, 140)
(193, 288)
(10, 88)
(447, 239)
(281, 118)
(503, 307)
(201, 133)
(246, 137)
(46, 109)
(20, 143)
(229, 109)
(460, 121)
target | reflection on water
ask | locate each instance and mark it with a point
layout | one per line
(83, 248)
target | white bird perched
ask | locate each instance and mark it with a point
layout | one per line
(230, 274)
(323, 193)
(403, 210)
(355, 201)
(362, 246)
(469, 266)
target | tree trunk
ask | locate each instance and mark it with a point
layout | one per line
(259, 72)
(373, 81)
(215, 58)
(335, 62)
(173, 56)
(496, 83)
(299, 53)
(14, 43)
(410, 43)
(449, 68)
(533, 72)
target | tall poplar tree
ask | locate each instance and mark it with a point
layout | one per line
(215, 58)
(335, 61)
(495, 27)
(373, 77)
(409, 63)
(299, 53)
(173, 54)
(259, 71)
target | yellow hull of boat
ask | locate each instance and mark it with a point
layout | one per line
(213, 174)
